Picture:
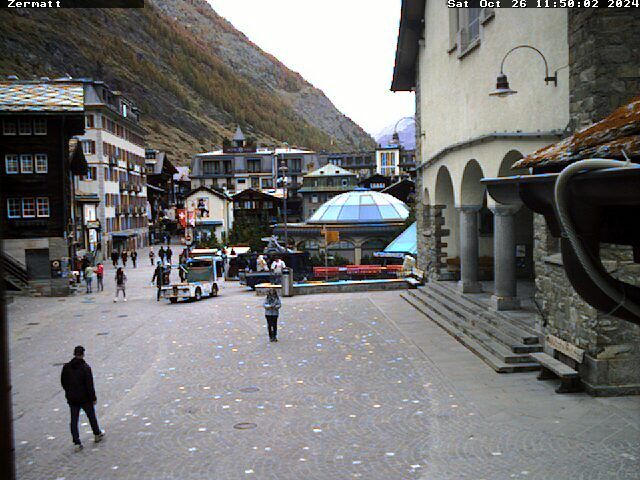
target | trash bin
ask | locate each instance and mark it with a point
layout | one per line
(287, 282)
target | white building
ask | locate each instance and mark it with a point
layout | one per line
(114, 148)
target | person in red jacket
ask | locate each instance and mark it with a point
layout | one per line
(77, 381)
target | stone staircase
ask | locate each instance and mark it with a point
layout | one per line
(503, 342)
(15, 277)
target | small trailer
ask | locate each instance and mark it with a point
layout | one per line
(201, 280)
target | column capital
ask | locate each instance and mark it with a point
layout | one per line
(468, 208)
(504, 210)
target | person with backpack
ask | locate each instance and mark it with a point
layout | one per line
(77, 382)
(134, 258)
(121, 284)
(100, 276)
(272, 306)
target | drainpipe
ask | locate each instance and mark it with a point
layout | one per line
(593, 270)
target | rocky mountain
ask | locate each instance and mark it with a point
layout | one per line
(194, 76)
(406, 128)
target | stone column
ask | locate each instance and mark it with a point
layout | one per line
(469, 249)
(504, 252)
(358, 253)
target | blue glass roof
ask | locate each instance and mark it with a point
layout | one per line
(406, 242)
(361, 206)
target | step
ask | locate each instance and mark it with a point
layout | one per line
(476, 303)
(510, 341)
(502, 351)
(499, 328)
(523, 332)
(476, 347)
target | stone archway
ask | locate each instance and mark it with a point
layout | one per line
(445, 256)
(472, 200)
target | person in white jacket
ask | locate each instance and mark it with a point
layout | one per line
(276, 269)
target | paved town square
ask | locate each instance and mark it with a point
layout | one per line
(359, 386)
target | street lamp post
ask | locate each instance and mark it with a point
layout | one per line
(282, 167)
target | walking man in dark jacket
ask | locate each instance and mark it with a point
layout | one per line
(169, 255)
(161, 254)
(114, 258)
(77, 381)
(158, 277)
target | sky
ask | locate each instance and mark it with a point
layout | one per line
(346, 48)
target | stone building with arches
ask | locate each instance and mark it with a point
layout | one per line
(450, 57)
(570, 68)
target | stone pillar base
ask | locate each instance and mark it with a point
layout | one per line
(505, 303)
(469, 287)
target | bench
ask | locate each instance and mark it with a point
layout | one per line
(415, 277)
(552, 368)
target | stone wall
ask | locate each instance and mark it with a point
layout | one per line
(612, 345)
(605, 61)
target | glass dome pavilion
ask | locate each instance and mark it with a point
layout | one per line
(360, 207)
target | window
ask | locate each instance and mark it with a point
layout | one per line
(253, 165)
(11, 164)
(314, 199)
(242, 180)
(89, 121)
(464, 28)
(26, 163)
(28, 207)
(13, 207)
(40, 126)
(43, 207)
(345, 182)
(24, 127)
(267, 183)
(255, 182)
(8, 127)
(88, 147)
(42, 163)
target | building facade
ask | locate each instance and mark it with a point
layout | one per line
(210, 214)
(322, 185)
(37, 177)
(466, 235)
(114, 146)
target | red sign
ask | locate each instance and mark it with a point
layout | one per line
(182, 217)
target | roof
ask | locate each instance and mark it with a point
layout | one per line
(409, 34)
(330, 170)
(239, 136)
(607, 138)
(360, 207)
(253, 191)
(217, 193)
(77, 161)
(406, 242)
(41, 97)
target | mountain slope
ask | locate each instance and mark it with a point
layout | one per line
(190, 95)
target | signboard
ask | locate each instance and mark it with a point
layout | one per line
(191, 217)
(569, 349)
(331, 236)
(188, 236)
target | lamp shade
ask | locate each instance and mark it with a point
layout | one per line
(502, 87)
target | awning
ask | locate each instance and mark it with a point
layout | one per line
(122, 235)
(403, 244)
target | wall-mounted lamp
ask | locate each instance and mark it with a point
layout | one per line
(502, 84)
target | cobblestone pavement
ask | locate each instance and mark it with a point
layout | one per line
(359, 386)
